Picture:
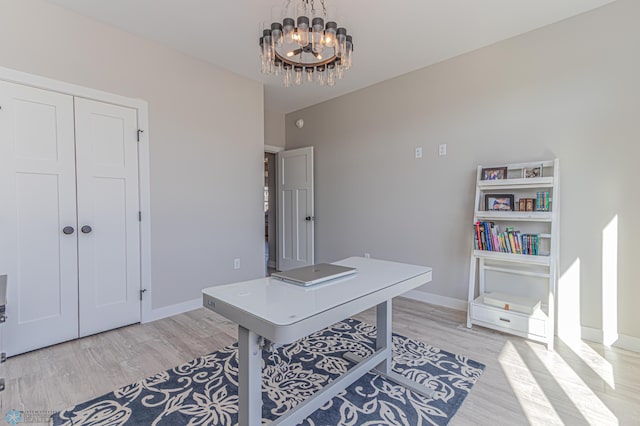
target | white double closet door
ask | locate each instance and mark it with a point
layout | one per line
(69, 227)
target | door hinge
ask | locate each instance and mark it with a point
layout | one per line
(3, 357)
(139, 216)
(141, 292)
(138, 135)
(1, 385)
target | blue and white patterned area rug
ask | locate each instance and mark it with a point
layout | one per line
(204, 391)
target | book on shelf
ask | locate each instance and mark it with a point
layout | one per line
(488, 237)
(542, 203)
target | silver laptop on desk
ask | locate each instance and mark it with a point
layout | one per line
(314, 274)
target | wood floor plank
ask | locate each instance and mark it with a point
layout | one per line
(579, 383)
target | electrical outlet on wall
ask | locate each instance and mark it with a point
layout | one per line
(367, 255)
(236, 263)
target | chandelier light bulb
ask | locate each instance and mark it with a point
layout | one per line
(276, 34)
(317, 35)
(348, 51)
(267, 47)
(288, 25)
(341, 41)
(303, 31)
(330, 34)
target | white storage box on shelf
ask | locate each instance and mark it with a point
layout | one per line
(510, 302)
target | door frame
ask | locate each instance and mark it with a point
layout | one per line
(271, 149)
(26, 79)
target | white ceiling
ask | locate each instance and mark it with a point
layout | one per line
(225, 33)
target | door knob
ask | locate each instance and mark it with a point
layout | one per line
(86, 229)
(68, 230)
(308, 218)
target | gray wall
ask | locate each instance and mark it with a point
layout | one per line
(570, 90)
(274, 134)
(206, 146)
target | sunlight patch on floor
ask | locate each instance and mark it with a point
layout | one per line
(584, 399)
(527, 390)
(594, 360)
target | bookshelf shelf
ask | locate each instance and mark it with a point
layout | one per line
(513, 257)
(498, 266)
(514, 216)
(516, 183)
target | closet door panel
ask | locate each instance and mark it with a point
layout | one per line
(38, 193)
(109, 253)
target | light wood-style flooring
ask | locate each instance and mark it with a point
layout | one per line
(580, 383)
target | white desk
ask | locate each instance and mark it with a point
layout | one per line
(283, 313)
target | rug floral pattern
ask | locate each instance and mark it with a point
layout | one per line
(204, 391)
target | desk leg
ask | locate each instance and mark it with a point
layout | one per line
(249, 378)
(383, 335)
(384, 345)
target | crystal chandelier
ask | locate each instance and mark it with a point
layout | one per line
(310, 47)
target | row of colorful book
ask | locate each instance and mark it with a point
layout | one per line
(543, 203)
(487, 236)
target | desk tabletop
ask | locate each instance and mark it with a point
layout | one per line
(281, 303)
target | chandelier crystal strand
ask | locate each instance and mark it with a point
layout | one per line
(331, 74)
(286, 81)
(348, 50)
(306, 42)
(320, 75)
(298, 76)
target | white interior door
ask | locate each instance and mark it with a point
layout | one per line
(37, 201)
(295, 208)
(108, 223)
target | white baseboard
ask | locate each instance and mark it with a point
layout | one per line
(591, 334)
(171, 310)
(435, 299)
(629, 343)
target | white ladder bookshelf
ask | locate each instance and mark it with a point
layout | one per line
(511, 290)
